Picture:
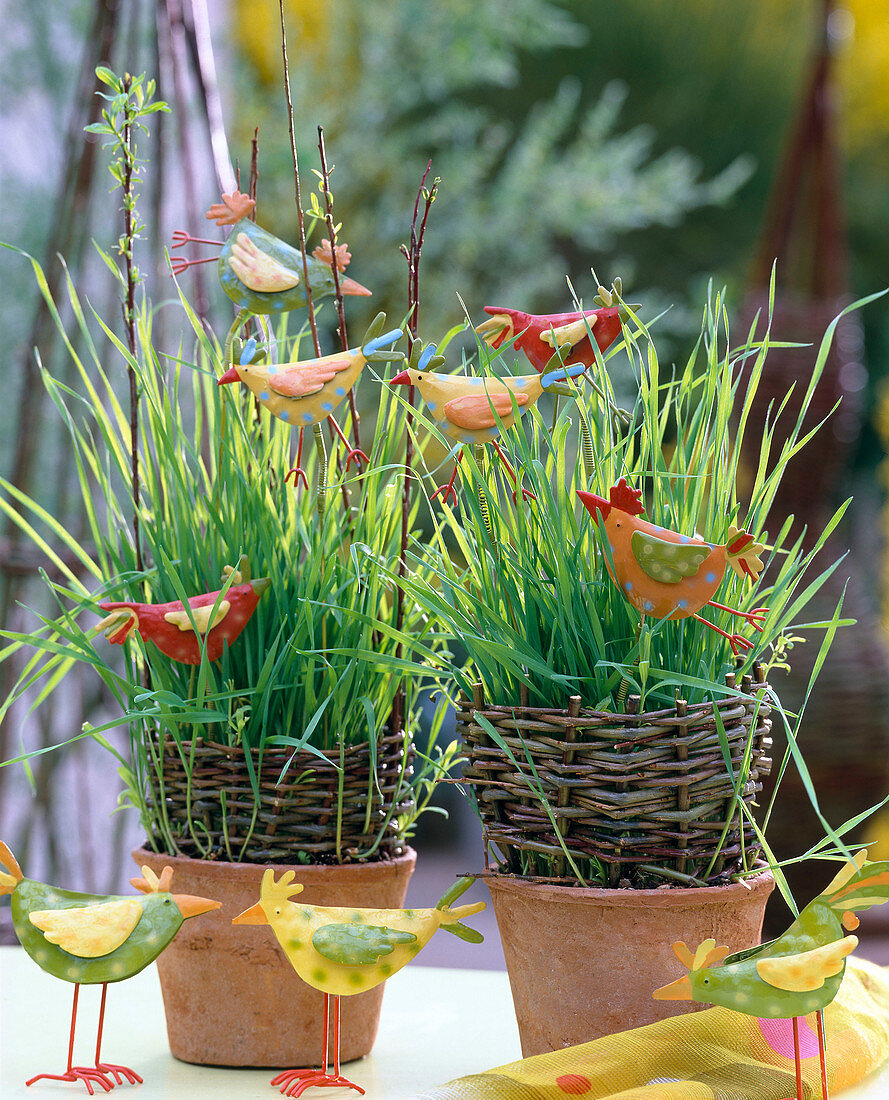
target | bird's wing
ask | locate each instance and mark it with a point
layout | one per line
(667, 562)
(257, 270)
(304, 379)
(201, 617)
(810, 969)
(477, 410)
(569, 334)
(91, 930)
(358, 944)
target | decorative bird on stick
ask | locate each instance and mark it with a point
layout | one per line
(344, 951)
(476, 410)
(539, 335)
(668, 575)
(307, 392)
(260, 272)
(798, 973)
(180, 633)
(90, 939)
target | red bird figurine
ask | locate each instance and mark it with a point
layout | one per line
(539, 336)
(668, 575)
(172, 628)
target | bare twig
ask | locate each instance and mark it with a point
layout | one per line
(340, 308)
(130, 318)
(412, 254)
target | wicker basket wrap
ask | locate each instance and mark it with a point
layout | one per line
(627, 789)
(297, 815)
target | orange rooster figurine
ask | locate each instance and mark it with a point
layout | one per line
(668, 575)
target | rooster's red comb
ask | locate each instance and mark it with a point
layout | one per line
(626, 499)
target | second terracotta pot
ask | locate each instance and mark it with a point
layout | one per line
(583, 962)
(231, 997)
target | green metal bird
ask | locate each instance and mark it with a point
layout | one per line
(798, 973)
(260, 272)
(91, 939)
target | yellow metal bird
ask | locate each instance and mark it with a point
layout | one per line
(342, 951)
(476, 409)
(307, 392)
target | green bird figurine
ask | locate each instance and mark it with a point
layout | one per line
(90, 939)
(260, 272)
(798, 973)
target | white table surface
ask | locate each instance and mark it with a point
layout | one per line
(437, 1024)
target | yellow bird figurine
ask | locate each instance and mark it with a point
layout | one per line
(476, 409)
(342, 951)
(307, 392)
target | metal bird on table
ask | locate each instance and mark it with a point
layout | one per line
(92, 939)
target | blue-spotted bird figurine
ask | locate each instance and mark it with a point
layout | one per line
(308, 392)
(798, 973)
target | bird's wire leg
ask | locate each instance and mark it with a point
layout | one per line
(482, 496)
(117, 1072)
(297, 470)
(526, 493)
(322, 469)
(294, 1082)
(238, 322)
(351, 452)
(624, 688)
(449, 490)
(736, 641)
(754, 617)
(822, 1051)
(88, 1075)
(180, 264)
(181, 237)
(796, 1056)
(586, 446)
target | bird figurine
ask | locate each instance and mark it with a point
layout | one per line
(343, 951)
(798, 973)
(539, 335)
(307, 392)
(260, 272)
(475, 410)
(668, 575)
(91, 939)
(213, 618)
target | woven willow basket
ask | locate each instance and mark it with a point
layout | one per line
(628, 789)
(208, 800)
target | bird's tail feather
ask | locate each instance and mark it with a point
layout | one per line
(742, 552)
(12, 875)
(450, 918)
(859, 887)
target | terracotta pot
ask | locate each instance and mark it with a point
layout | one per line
(230, 995)
(583, 962)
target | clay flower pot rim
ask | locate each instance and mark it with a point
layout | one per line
(616, 896)
(250, 870)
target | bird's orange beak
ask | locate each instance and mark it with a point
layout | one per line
(349, 286)
(253, 915)
(231, 375)
(192, 906)
(595, 505)
(680, 990)
(403, 379)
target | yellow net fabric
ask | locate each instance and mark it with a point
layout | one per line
(711, 1055)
